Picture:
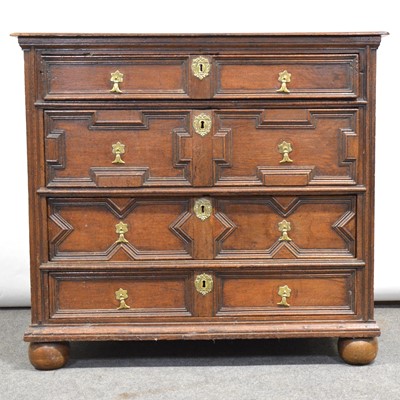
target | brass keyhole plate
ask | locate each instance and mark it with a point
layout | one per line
(202, 124)
(204, 283)
(202, 208)
(201, 67)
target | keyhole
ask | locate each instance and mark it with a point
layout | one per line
(202, 211)
(202, 124)
(201, 67)
(203, 283)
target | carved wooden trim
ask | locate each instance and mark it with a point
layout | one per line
(182, 152)
(55, 152)
(287, 176)
(119, 177)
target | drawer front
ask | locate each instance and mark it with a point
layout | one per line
(129, 229)
(287, 147)
(164, 148)
(115, 77)
(260, 294)
(118, 295)
(126, 76)
(289, 76)
(286, 227)
(122, 229)
(255, 294)
(117, 148)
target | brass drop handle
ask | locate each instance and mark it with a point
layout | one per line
(116, 78)
(118, 149)
(284, 78)
(284, 227)
(284, 292)
(121, 228)
(285, 148)
(121, 295)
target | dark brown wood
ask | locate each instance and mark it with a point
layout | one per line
(48, 356)
(358, 351)
(89, 78)
(78, 195)
(315, 75)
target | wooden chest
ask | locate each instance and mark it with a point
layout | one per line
(200, 187)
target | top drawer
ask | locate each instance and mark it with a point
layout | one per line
(291, 75)
(201, 76)
(117, 76)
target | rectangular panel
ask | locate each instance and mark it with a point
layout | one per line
(311, 76)
(133, 295)
(287, 147)
(118, 148)
(118, 229)
(287, 227)
(290, 294)
(89, 77)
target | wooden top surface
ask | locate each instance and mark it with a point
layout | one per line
(273, 34)
(168, 42)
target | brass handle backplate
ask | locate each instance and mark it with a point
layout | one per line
(202, 124)
(116, 78)
(285, 148)
(204, 283)
(201, 67)
(284, 227)
(118, 149)
(284, 292)
(121, 295)
(121, 228)
(202, 208)
(284, 78)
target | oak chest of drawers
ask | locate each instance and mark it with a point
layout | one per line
(200, 187)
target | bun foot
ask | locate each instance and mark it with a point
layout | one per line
(359, 351)
(47, 356)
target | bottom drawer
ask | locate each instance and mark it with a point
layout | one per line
(290, 294)
(226, 294)
(117, 295)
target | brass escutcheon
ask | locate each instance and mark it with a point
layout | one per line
(121, 228)
(202, 124)
(202, 208)
(284, 292)
(201, 67)
(118, 149)
(204, 283)
(284, 227)
(116, 78)
(121, 295)
(284, 78)
(285, 148)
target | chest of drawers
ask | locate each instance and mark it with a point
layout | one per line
(200, 187)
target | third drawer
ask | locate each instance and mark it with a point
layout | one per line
(251, 227)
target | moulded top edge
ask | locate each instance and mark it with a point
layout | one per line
(154, 35)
